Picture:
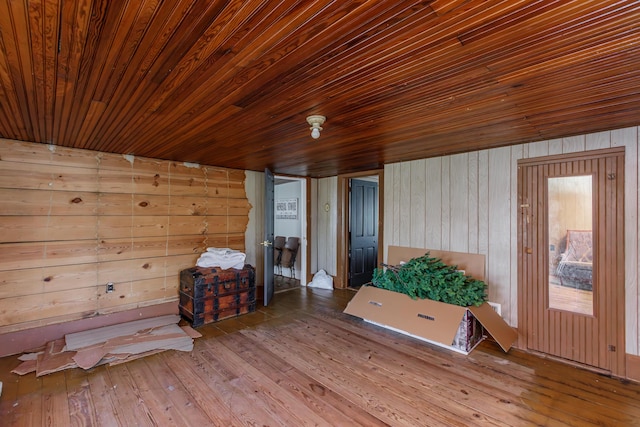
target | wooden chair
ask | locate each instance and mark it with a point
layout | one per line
(278, 245)
(289, 254)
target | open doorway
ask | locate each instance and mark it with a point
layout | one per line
(290, 228)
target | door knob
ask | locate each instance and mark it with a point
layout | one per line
(266, 243)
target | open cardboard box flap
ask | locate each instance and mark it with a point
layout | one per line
(495, 325)
(431, 320)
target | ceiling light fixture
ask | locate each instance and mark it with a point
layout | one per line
(316, 123)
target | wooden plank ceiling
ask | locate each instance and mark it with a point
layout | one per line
(229, 83)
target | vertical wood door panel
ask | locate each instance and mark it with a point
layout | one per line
(593, 337)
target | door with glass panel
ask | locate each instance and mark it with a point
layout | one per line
(571, 257)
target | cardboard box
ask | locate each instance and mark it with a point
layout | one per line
(446, 325)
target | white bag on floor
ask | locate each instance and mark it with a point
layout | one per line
(321, 280)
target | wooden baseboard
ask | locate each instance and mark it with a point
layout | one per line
(633, 367)
(28, 339)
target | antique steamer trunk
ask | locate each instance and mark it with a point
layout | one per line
(211, 294)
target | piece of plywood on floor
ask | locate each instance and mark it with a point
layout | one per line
(191, 332)
(169, 337)
(55, 358)
(83, 339)
(26, 367)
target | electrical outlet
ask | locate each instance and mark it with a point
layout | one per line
(110, 287)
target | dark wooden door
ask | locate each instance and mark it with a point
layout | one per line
(571, 257)
(363, 250)
(269, 285)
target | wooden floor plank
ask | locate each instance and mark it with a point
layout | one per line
(22, 400)
(55, 404)
(103, 395)
(238, 393)
(470, 381)
(538, 398)
(275, 398)
(393, 408)
(476, 395)
(324, 401)
(301, 361)
(82, 411)
(188, 369)
(189, 411)
(159, 406)
(131, 405)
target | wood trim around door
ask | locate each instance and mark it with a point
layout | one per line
(342, 252)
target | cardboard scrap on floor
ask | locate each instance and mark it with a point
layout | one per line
(110, 344)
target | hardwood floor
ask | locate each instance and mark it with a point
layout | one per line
(300, 362)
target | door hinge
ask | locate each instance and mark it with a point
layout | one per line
(612, 347)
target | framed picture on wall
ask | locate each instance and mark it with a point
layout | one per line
(287, 208)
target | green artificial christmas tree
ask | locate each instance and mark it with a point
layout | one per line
(429, 278)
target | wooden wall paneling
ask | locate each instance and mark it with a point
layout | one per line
(629, 138)
(332, 231)
(598, 140)
(555, 146)
(41, 177)
(149, 247)
(112, 249)
(433, 214)
(323, 223)
(45, 308)
(115, 180)
(417, 184)
(496, 215)
(105, 218)
(499, 255)
(132, 226)
(483, 202)
(136, 293)
(538, 149)
(472, 198)
(33, 281)
(238, 207)
(150, 177)
(191, 205)
(129, 295)
(517, 153)
(393, 213)
(445, 204)
(31, 202)
(176, 263)
(123, 204)
(387, 210)
(188, 180)
(181, 225)
(235, 240)
(38, 254)
(405, 198)
(327, 224)
(46, 154)
(459, 202)
(195, 243)
(38, 228)
(236, 179)
(254, 188)
(315, 210)
(573, 144)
